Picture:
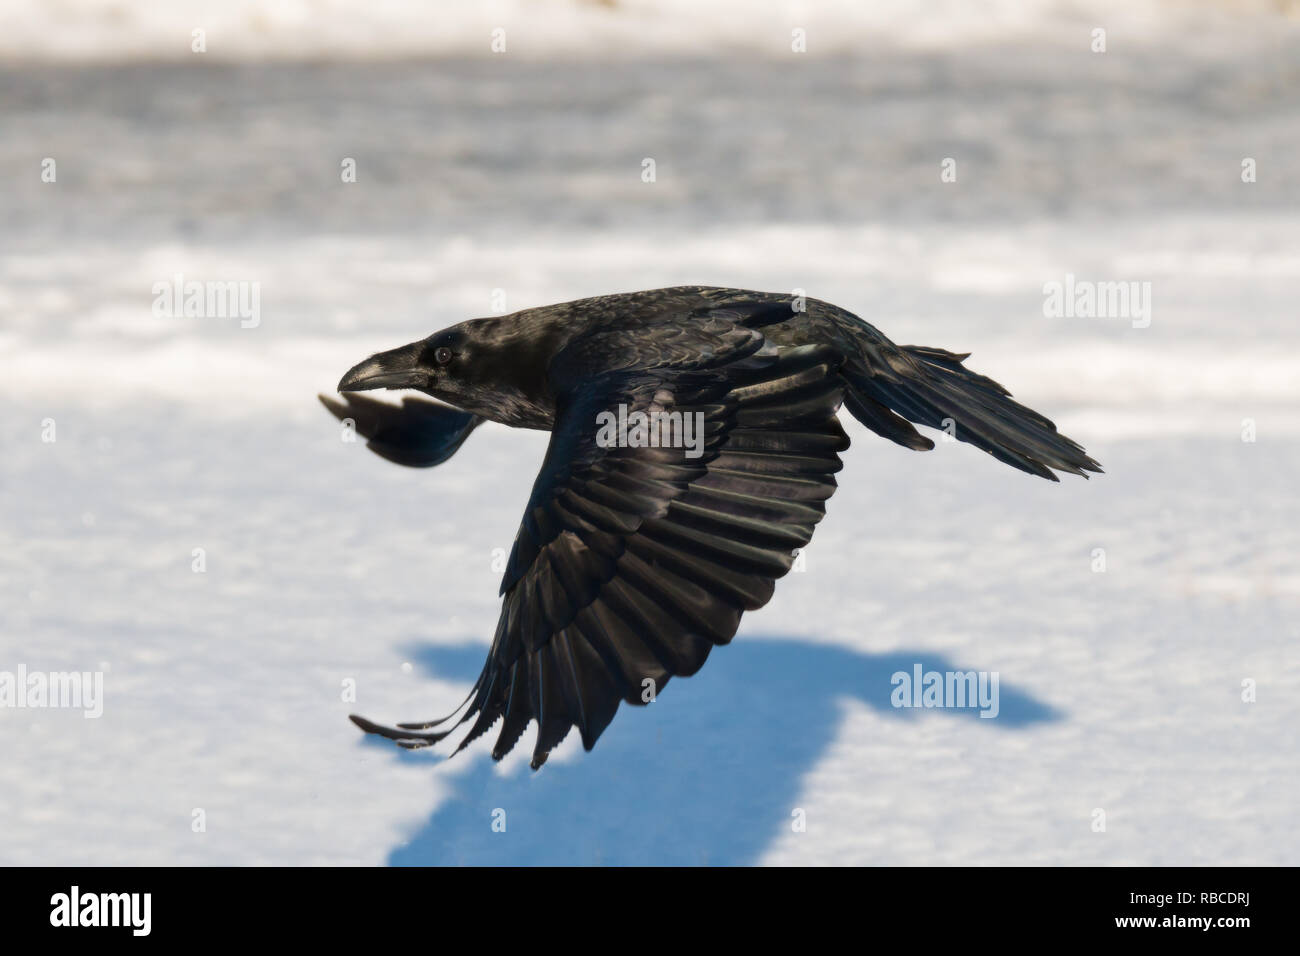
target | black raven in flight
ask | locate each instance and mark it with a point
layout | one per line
(694, 443)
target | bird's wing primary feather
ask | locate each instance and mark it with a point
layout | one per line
(632, 563)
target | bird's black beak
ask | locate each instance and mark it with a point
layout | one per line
(396, 368)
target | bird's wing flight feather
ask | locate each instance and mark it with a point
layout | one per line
(632, 563)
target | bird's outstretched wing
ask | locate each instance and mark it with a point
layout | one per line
(631, 563)
(417, 433)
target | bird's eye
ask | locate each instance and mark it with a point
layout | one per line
(442, 355)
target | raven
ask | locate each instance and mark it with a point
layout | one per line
(636, 556)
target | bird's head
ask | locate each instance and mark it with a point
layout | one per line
(481, 366)
(421, 365)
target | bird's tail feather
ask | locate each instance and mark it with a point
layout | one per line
(932, 387)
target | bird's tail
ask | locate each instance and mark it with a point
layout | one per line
(890, 388)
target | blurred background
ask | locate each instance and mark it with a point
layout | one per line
(377, 170)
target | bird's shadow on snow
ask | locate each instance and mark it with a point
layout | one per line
(711, 772)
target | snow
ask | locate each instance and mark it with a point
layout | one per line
(240, 30)
(1121, 690)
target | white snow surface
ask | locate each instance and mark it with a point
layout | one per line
(243, 30)
(1121, 690)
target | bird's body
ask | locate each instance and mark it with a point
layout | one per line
(635, 558)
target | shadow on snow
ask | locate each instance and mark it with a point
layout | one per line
(708, 773)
